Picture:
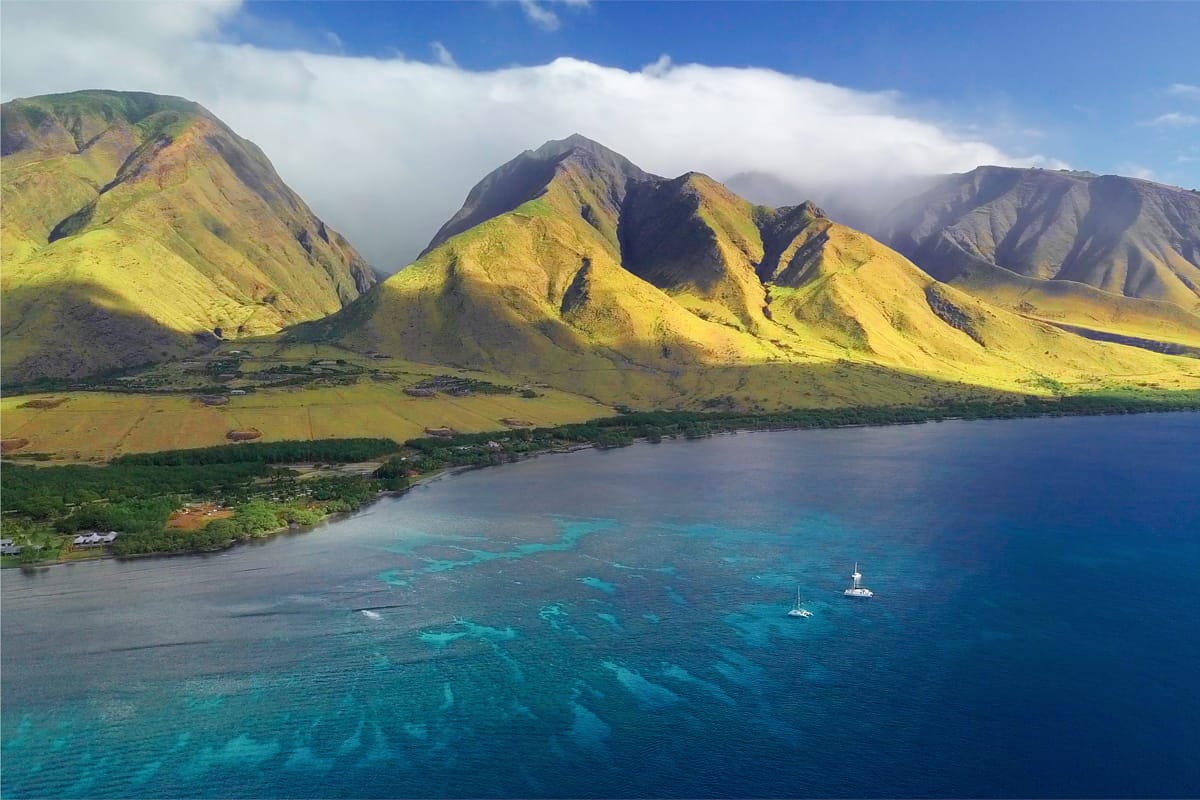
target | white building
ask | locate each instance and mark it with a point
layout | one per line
(94, 539)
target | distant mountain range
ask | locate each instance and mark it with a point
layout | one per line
(137, 224)
(1123, 235)
(1042, 242)
(136, 227)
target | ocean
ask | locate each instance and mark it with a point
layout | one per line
(614, 624)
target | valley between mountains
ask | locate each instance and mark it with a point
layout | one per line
(163, 288)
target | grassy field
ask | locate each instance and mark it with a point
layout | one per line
(342, 393)
(94, 426)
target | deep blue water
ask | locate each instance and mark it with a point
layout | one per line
(613, 624)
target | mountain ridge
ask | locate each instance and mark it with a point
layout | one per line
(1126, 236)
(696, 280)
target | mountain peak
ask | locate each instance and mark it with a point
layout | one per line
(64, 123)
(528, 175)
(809, 208)
(589, 153)
(576, 141)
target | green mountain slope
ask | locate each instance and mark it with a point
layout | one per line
(595, 277)
(134, 226)
(1103, 253)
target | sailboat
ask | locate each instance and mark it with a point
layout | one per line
(799, 610)
(856, 588)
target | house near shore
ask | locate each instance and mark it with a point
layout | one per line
(9, 548)
(94, 539)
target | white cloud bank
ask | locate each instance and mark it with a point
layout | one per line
(386, 149)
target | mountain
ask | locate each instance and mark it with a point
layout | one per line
(571, 266)
(137, 227)
(1106, 254)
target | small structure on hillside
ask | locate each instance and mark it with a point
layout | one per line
(444, 433)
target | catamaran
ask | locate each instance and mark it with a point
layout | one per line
(799, 610)
(856, 588)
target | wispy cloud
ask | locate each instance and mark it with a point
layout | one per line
(540, 14)
(391, 145)
(1137, 171)
(443, 55)
(1173, 119)
(1184, 90)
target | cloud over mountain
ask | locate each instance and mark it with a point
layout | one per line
(386, 148)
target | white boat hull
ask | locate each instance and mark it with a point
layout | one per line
(859, 592)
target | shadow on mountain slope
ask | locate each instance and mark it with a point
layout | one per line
(82, 330)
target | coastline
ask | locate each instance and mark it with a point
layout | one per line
(262, 537)
(432, 477)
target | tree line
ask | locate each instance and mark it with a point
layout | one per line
(330, 451)
(473, 449)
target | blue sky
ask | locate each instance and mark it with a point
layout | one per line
(1086, 83)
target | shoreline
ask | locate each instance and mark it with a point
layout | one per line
(430, 478)
(231, 544)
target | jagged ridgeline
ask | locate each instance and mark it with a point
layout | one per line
(573, 266)
(1111, 256)
(136, 226)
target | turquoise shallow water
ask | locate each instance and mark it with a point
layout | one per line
(614, 624)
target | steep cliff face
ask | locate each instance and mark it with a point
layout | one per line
(134, 226)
